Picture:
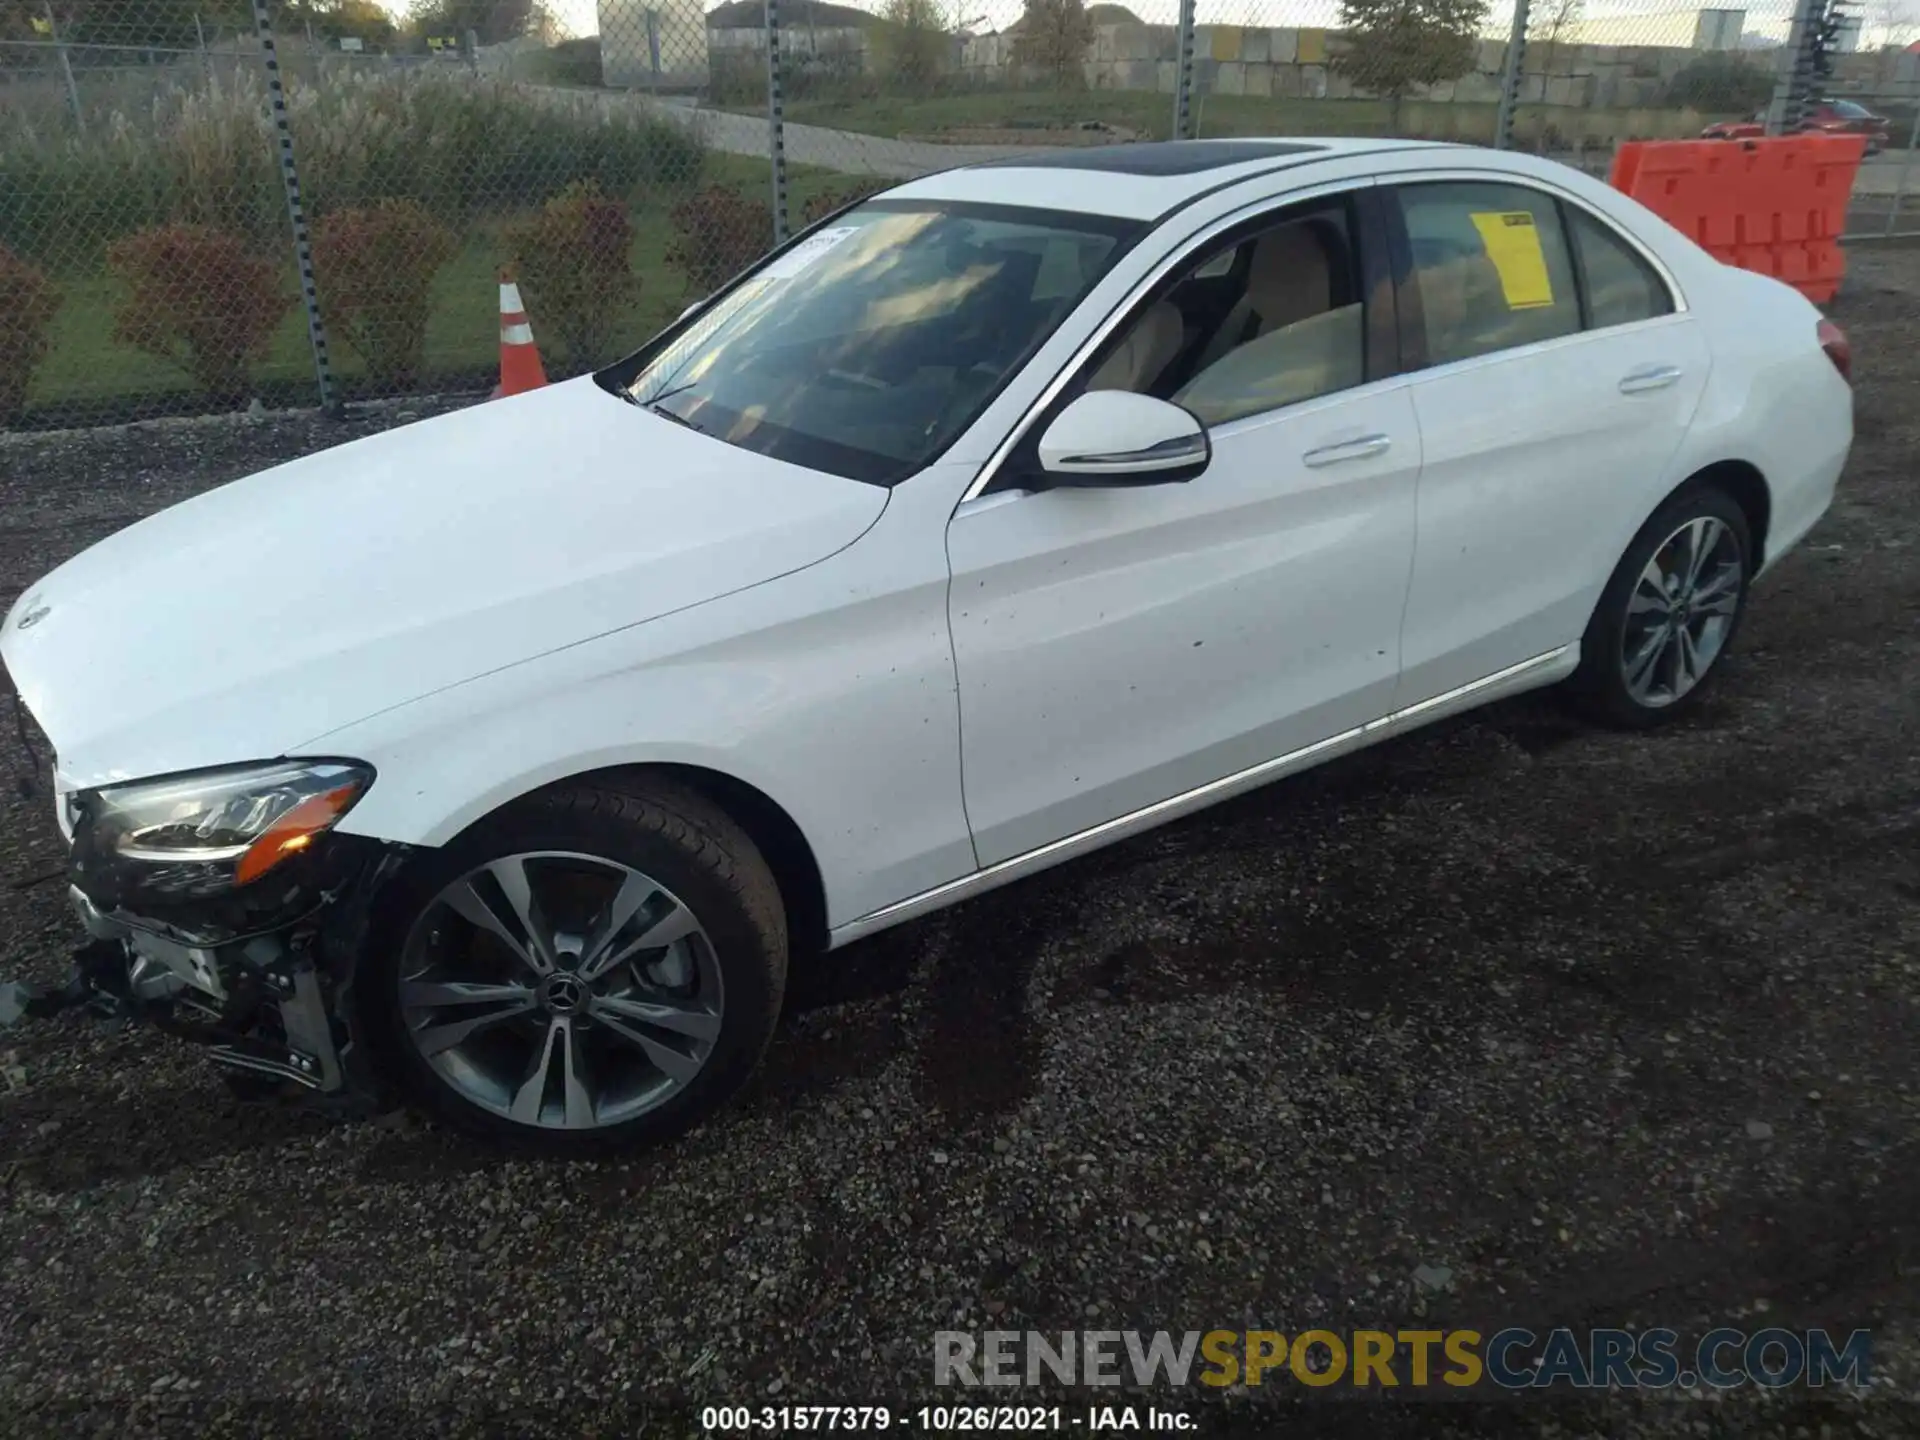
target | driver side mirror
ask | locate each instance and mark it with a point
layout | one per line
(1114, 437)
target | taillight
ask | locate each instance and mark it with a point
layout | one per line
(1833, 340)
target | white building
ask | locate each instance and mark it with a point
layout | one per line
(1718, 29)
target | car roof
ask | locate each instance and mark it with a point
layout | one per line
(1140, 181)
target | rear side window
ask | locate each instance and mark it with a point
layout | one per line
(1491, 265)
(1621, 287)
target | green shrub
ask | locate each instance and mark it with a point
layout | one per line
(737, 78)
(718, 232)
(571, 62)
(375, 269)
(828, 201)
(575, 258)
(200, 298)
(1721, 82)
(28, 301)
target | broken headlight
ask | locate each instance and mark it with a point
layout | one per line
(214, 830)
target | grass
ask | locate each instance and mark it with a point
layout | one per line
(89, 376)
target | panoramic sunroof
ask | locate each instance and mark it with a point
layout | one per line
(1160, 157)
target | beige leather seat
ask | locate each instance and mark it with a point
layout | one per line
(1281, 343)
(1319, 355)
(1288, 280)
(1148, 349)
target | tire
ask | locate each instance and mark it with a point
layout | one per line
(655, 1043)
(1611, 685)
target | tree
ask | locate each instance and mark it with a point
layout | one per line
(1553, 25)
(1053, 37)
(1394, 45)
(333, 20)
(491, 21)
(910, 42)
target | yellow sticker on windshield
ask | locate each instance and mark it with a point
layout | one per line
(1513, 245)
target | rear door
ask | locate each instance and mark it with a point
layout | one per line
(1556, 375)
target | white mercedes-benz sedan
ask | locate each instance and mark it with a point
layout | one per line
(502, 760)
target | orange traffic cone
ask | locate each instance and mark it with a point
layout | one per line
(520, 368)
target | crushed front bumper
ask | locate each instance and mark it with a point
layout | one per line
(273, 1007)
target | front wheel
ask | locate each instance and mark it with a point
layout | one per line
(594, 968)
(1669, 613)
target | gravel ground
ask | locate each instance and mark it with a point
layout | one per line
(1616, 1030)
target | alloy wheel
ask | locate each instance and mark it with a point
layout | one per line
(561, 990)
(1681, 611)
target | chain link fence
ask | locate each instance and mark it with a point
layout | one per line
(212, 204)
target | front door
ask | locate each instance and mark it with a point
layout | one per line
(1120, 647)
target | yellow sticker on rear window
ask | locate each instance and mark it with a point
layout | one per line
(1513, 245)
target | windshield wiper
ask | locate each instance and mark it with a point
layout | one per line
(665, 414)
(659, 395)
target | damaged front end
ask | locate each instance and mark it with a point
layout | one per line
(222, 907)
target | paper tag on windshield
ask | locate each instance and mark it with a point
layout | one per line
(807, 252)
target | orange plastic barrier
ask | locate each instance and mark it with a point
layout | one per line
(1776, 205)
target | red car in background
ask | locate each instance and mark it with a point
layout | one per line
(1832, 117)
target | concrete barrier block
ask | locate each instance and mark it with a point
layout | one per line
(1566, 90)
(1132, 42)
(1476, 89)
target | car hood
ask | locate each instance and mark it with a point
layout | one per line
(266, 613)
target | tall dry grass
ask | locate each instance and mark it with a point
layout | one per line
(199, 147)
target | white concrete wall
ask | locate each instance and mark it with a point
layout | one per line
(626, 53)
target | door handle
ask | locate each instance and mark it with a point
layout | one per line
(1361, 449)
(1652, 377)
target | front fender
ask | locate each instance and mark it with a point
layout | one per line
(830, 690)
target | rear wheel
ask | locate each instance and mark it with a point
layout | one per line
(1669, 613)
(592, 969)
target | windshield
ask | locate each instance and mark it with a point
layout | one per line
(869, 345)
(1847, 110)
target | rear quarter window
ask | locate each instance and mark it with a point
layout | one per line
(1621, 286)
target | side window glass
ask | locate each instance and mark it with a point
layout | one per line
(1621, 287)
(1271, 320)
(1492, 268)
